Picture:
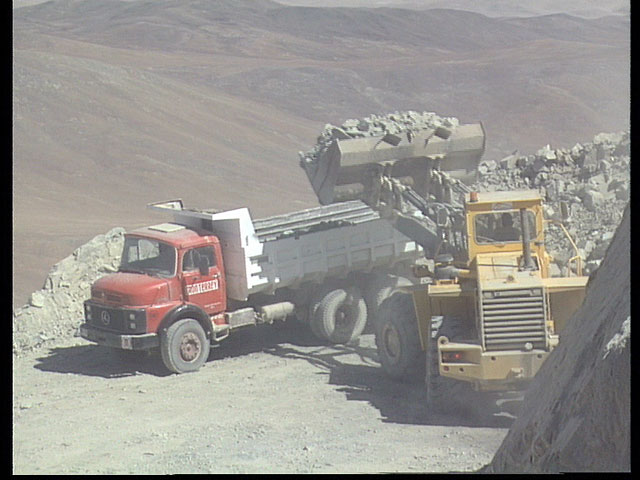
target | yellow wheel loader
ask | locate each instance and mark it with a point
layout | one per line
(489, 312)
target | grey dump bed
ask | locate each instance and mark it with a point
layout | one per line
(305, 246)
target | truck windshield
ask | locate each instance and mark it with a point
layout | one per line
(502, 227)
(148, 256)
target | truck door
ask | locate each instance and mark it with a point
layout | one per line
(202, 279)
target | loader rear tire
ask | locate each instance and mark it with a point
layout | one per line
(343, 315)
(398, 340)
(184, 346)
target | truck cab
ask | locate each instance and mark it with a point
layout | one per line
(167, 273)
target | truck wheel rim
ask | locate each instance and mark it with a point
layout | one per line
(190, 347)
(391, 343)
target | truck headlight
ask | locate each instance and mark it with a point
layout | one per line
(132, 316)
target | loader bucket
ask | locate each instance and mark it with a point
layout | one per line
(345, 169)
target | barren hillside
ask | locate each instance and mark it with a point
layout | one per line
(117, 104)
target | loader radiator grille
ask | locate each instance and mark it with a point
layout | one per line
(513, 318)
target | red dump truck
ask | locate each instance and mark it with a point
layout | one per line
(185, 285)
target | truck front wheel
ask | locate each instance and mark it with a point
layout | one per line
(398, 340)
(184, 346)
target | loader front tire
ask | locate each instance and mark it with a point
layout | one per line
(184, 346)
(377, 291)
(398, 340)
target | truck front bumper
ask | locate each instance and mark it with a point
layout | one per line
(116, 340)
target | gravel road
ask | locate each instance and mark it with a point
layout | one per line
(270, 399)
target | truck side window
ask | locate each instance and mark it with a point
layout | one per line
(192, 258)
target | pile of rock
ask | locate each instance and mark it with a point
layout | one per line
(56, 310)
(591, 179)
(376, 126)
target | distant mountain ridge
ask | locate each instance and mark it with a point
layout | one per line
(491, 8)
(183, 25)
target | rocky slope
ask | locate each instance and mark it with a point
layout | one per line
(55, 311)
(591, 179)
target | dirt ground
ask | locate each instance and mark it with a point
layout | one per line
(270, 399)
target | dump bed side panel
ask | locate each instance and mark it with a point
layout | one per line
(332, 252)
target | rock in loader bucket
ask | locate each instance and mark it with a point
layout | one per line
(347, 169)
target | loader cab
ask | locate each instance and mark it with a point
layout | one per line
(494, 223)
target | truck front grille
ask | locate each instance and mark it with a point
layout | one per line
(513, 319)
(120, 320)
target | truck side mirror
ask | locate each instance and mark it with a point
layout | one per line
(203, 265)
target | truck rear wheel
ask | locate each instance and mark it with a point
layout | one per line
(343, 315)
(315, 320)
(184, 346)
(398, 340)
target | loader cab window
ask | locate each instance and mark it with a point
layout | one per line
(192, 258)
(502, 227)
(148, 256)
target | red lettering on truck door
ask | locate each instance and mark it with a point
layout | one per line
(202, 279)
